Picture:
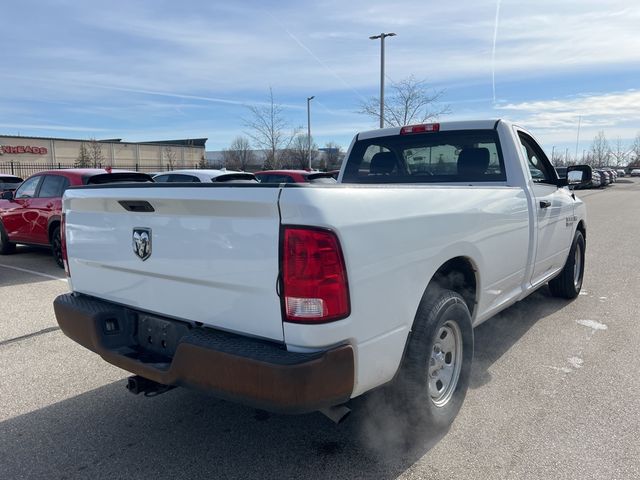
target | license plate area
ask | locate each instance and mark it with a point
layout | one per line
(159, 335)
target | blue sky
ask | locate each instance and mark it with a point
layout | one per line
(151, 70)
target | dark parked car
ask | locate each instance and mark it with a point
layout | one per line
(31, 214)
(604, 178)
(596, 180)
(9, 182)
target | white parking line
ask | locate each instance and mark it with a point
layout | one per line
(33, 272)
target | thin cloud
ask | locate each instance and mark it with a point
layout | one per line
(598, 110)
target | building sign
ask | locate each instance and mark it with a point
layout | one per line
(23, 149)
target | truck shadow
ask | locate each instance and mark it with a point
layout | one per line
(497, 335)
(108, 433)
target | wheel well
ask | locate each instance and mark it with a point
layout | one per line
(459, 275)
(52, 227)
(582, 229)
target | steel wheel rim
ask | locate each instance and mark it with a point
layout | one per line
(445, 363)
(577, 267)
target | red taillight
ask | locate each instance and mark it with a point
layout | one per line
(314, 277)
(425, 127)
(63, 241)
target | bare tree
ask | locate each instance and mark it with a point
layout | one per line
(558, 160)
(619, 153)
(599, 151)
(411, 101)
(268, 130)
(170, 157)
(298, 153)
(239, 154)
(83, 160)
(203, 162)
(332, 156)
(635, 152)
(95, 153)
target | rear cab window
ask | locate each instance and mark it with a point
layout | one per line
(432, 157)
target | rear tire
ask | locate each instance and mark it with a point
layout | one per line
(6, 247)
(569, 283)
(56, 247)
(433, 380)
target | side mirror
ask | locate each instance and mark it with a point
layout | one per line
(8, 195)
(579, 175)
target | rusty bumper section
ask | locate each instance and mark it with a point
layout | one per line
(251, 371)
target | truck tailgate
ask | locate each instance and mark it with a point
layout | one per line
(213, 254)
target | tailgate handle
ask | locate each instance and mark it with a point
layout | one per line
(136, 205)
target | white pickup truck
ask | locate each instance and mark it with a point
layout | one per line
(296, 298)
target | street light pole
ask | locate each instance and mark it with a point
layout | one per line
(382, 36)
(309, 126)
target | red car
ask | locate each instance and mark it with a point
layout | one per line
(31, 214)
(294, 176)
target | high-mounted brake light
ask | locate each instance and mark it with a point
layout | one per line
(63, 244)
(314, 277)
(425, 127)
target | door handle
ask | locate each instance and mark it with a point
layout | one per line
(49, 205)
(545, 203)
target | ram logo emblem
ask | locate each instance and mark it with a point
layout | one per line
(142, 242)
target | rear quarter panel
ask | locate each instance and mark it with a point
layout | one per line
(394, 239)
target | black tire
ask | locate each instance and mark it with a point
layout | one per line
(6, 247)
(56, 247)
(440, 311)
(569, 283)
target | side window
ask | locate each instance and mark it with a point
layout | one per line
(28, 188)
(53, 186)
(539, 166)
(161, 178)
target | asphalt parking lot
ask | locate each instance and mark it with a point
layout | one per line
(555, 393)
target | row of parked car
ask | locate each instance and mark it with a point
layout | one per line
(601, 177)
(30, 210)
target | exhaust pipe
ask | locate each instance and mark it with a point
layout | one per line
(138, 384)
(337, 413)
